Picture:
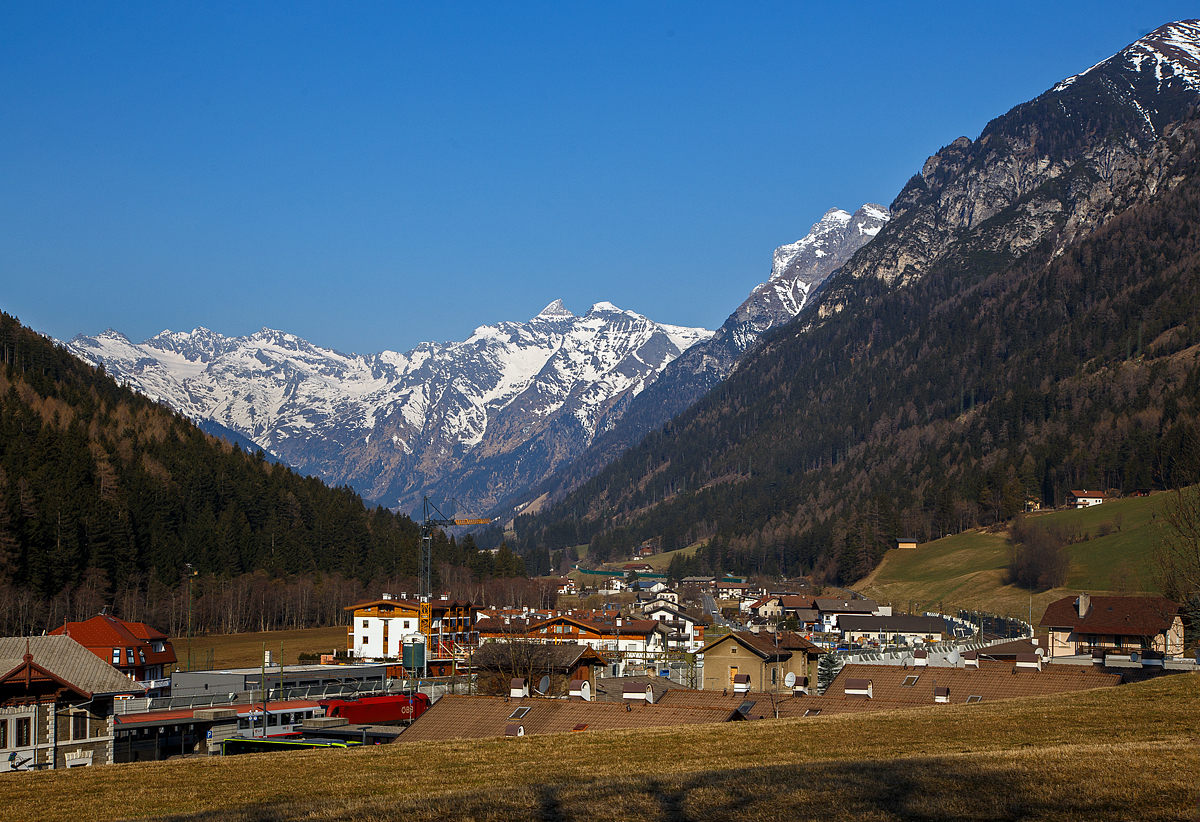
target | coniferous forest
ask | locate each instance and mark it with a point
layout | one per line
(920, 410)
(110, 499)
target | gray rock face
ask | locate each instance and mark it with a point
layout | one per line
(1052, 169)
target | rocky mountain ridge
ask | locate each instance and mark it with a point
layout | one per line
(798, 270)
(1056, 167)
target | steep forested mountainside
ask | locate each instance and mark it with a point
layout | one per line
(1014, 332)
(101, 484)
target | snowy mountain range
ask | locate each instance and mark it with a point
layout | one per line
(391, 424)
(481, 419)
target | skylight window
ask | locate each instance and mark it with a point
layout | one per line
(910, 681)
(813, 712)
(519, 713)
(971, 699)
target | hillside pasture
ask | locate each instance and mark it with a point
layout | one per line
(1112, 554)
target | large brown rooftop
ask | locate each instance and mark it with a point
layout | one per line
(481, 717)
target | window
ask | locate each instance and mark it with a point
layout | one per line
(519, 713)
(23, 738)
(116, 656)
(971, 699)
(406, 624)
(364, 640)
(3, 733)
(79, 726)
(141, 656)
(813, 712)
(774, 675)
(128, 656)
(366, 623)
(910, 681)
(158, 647)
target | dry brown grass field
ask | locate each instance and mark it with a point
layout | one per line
(1128, 753)
(246, 650)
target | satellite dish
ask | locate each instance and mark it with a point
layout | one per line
(789, 679)
(1040, 651)
(953, 657)
(585, 691)
(543, 685)
(1133, 657)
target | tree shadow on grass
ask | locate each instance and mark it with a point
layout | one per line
(1012, 787)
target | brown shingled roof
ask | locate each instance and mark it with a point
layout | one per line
(480, 717)
(1125, 616)
(991, 681)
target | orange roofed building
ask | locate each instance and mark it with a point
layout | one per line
(133, 648)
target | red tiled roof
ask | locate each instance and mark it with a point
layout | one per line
(103, 632)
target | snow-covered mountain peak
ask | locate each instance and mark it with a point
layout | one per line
(1171, 52)
(826, 235)
(556, 310)
(603, 307)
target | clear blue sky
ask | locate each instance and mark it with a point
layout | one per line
(369, 176)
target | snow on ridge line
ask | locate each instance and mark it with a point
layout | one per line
(1182, 36)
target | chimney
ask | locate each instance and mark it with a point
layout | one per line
(741, 683)
(580, 689)
(801, 687)
(920, 658)
(971, 659)
(941, 693)
(860, 687)
(633, 691)
(518, 689)
(1029, 661)
(1152, 659)
(1083, 604)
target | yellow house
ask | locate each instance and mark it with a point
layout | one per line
(757, 662)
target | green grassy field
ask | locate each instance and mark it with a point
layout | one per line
(1111, 754)
(968, 570)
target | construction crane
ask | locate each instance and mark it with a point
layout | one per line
(428, 523)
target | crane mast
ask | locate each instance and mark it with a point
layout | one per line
(425, 573)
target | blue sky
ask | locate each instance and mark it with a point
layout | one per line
(370, 176)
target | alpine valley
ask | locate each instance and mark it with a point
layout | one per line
(1026, 323)
(480, 420)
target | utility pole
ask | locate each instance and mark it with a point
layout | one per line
(190, 575)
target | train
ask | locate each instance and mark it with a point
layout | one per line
(377, 710)
(240, 744)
